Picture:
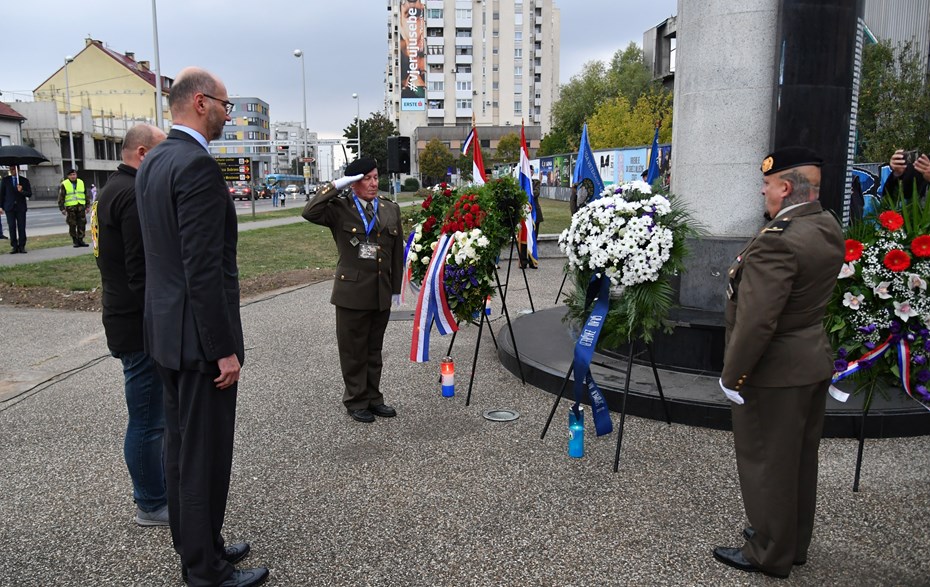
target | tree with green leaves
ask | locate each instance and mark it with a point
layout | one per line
(626, 75)
(435, 161)
(464, 165)
(508, 149)
(894, 102)
(616, 123)
(554, 143)
(375, 131)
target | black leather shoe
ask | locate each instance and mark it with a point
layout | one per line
(733, 557)
(3, 237)
(246, 577)
(22, 250)
(384, 411)
(14, 251)
(232, 554)
(749, 532)
(82, 244)
(362, 416)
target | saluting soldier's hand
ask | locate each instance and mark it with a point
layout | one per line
(344, 182)
(229, 371)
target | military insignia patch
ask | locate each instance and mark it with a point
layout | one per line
(767, 164)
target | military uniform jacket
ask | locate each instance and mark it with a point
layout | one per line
(361, 284)
(779, 287)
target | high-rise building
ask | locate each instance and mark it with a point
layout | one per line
(451, 62)
(247, 134)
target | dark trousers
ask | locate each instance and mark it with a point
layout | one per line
(16, 218)
(77, 222)
(199, 428)
(777, 435)
(360, 336)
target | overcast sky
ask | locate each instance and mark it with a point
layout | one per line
(249, 44)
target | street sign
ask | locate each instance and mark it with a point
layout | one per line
(236, 168)
(306, 159)
(307, 171)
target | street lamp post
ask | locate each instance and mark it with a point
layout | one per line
(303, 78)
(69, 59)
(159, 115)
(358, 127)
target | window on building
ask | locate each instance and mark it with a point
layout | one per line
(229, 136)
(463, 68)
(434, 32)
(436, 104)
(518, 53)
(517, 71)
(462, 32)
(494, 104)
(250, 107)
(518, 88)
(463, 13)
(462, 86)
(495, 85)
(435, 49)
(462, 50)
(518, 36)
(485, 143)
(672, 50)
(518, 19)
(496, 16)
(463, 104)
(435, 67)
(518, 107)
(434, 13)
(435, 86)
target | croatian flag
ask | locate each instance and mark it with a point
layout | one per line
(524, 175)
(477, 165)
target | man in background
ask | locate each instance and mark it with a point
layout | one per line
(14, 190)
(72, 201)
(117, 240)
(910, 173)
(193, 330)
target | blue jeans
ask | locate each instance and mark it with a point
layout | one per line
(145, 431)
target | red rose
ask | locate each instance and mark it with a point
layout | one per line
(475, 208)
(897, 260)
(891, 220)
(853, 250)
(921, 246)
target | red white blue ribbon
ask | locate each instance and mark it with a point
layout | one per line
(432, 305)
(408, 271)
(903, 360)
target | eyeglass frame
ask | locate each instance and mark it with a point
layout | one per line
(229, 105)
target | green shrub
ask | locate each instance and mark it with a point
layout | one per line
(411, 184)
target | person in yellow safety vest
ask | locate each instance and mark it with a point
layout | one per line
(72, 201)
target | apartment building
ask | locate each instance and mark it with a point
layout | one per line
(452, 62)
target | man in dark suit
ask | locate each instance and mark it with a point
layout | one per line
(909, 175)
(14, 189)
(778, 362)
(367, 231)
(192, 324)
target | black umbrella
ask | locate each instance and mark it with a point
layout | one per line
(20, 155)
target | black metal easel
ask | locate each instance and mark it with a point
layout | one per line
(626, 391)
(483, 319)
(526, 281)
(865, 412)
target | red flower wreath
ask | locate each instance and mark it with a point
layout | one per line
(853, 250)
(897, 260)
(921, 246)
(465, 215)
(891, 220)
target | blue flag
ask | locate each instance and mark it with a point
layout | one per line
(653, 173)
(586, 174)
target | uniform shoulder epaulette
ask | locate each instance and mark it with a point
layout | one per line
(778, 226)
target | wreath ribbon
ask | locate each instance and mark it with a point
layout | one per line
(432, 305)
(903, 360)
(584, 354)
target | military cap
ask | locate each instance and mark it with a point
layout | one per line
(361, 166)
(789, 157)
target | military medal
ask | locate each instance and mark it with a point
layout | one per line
(368, 251)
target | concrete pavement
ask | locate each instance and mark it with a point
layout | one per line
(436, 496)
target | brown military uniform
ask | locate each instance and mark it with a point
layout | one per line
(362, 288)
(779, 358)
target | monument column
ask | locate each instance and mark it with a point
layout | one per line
(750, 77)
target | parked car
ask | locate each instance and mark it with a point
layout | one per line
(240, 190)
(292, 190)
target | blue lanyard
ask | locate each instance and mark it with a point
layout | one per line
(361, 212)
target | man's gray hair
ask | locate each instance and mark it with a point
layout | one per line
(801, 188)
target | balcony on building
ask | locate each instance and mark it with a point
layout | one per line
(430, 41)
(435, 94)
(434, 23)
(463, 77)
(463, 59)
(435, 113)
(436, 4)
